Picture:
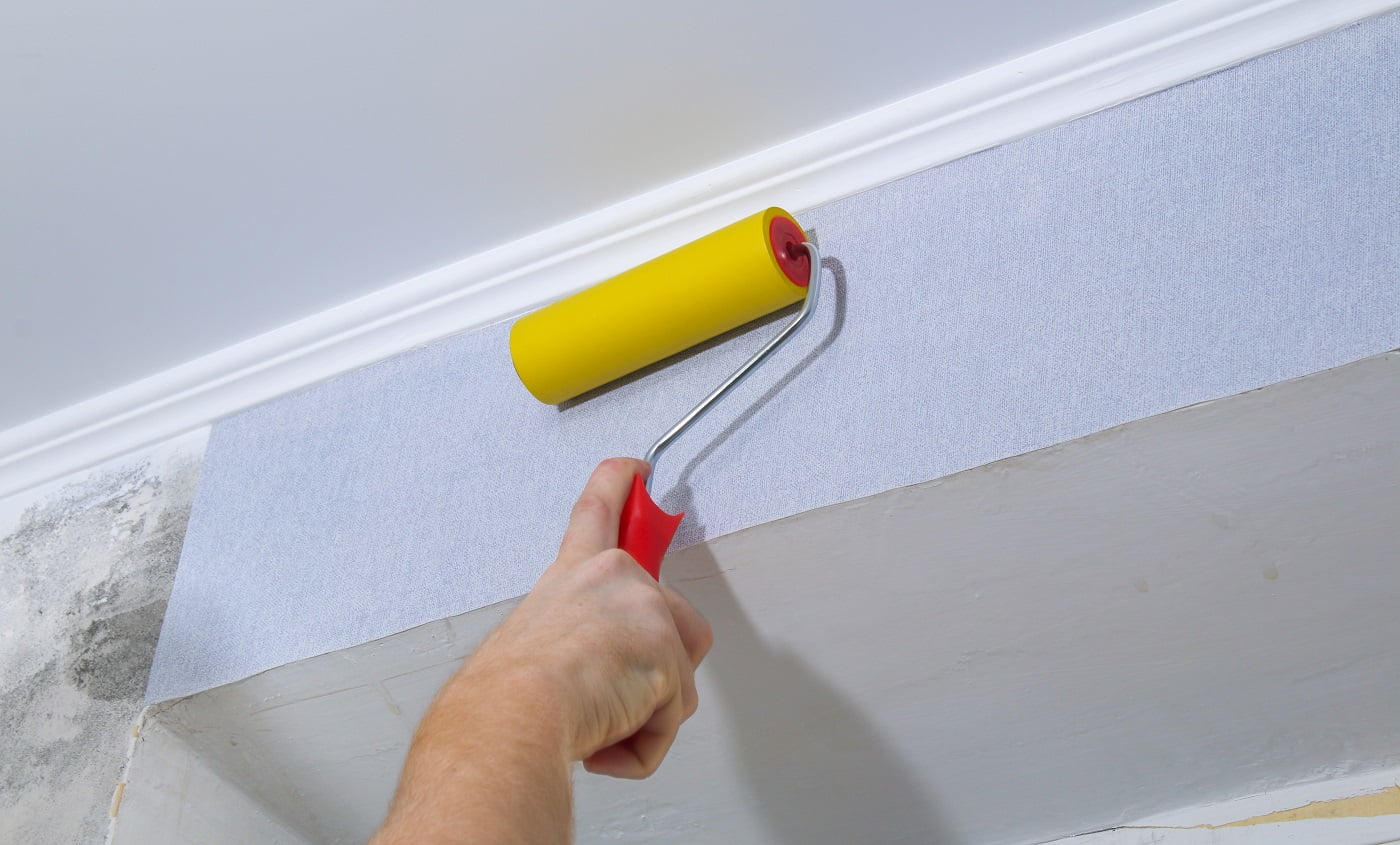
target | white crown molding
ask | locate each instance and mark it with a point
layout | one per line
(1147, 53)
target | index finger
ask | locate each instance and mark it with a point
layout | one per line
(593, 521)
(696, 634)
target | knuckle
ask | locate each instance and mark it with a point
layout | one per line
(707, 637)
(590, 503)
(655, 627)
(664, 684)
(614, 562)
(652, 606)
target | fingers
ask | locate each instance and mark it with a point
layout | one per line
(696, 634)
(668, 635)
(696, 638)
(640, 755)
(593, 522)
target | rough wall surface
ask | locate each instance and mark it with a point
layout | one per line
(85, 571)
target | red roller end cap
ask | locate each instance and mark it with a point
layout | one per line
(785, 238)
(646, 530)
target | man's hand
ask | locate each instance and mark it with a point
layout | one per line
(618, 650)
(596, 664)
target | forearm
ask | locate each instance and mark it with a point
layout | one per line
(489, 764)
(596, 665)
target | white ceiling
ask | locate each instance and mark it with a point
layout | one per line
(179, 178)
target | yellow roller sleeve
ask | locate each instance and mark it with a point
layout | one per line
(689, 295)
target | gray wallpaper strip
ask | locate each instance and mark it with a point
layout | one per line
(1223, 235)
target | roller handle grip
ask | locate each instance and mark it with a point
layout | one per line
(645, 530)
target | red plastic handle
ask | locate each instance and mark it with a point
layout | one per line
(646, 530)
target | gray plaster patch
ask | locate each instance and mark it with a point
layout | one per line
(84, 579)
(112, 656)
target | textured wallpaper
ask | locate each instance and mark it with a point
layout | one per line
(1217, 237)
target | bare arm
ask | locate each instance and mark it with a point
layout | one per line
(596, 664)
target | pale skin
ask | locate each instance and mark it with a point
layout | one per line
(596, 665)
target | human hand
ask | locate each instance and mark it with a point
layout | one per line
(615, 651)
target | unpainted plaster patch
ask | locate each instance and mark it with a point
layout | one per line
(1384, 802)
(112, 655)
(84, 578)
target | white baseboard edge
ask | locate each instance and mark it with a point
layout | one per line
(1144, 54)
(1344, 810)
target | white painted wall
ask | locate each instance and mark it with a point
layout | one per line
(177, 178)
(173, 795)
(1184, 609)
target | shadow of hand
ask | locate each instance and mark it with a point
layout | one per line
(818, 769)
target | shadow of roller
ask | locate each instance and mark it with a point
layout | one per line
(818, 769)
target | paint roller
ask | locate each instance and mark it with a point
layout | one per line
(719, 282)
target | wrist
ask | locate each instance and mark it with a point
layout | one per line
(512, 702)
(489, 763)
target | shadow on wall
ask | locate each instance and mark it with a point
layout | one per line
(817, 768)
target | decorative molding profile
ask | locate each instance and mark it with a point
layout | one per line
(1141, 55)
